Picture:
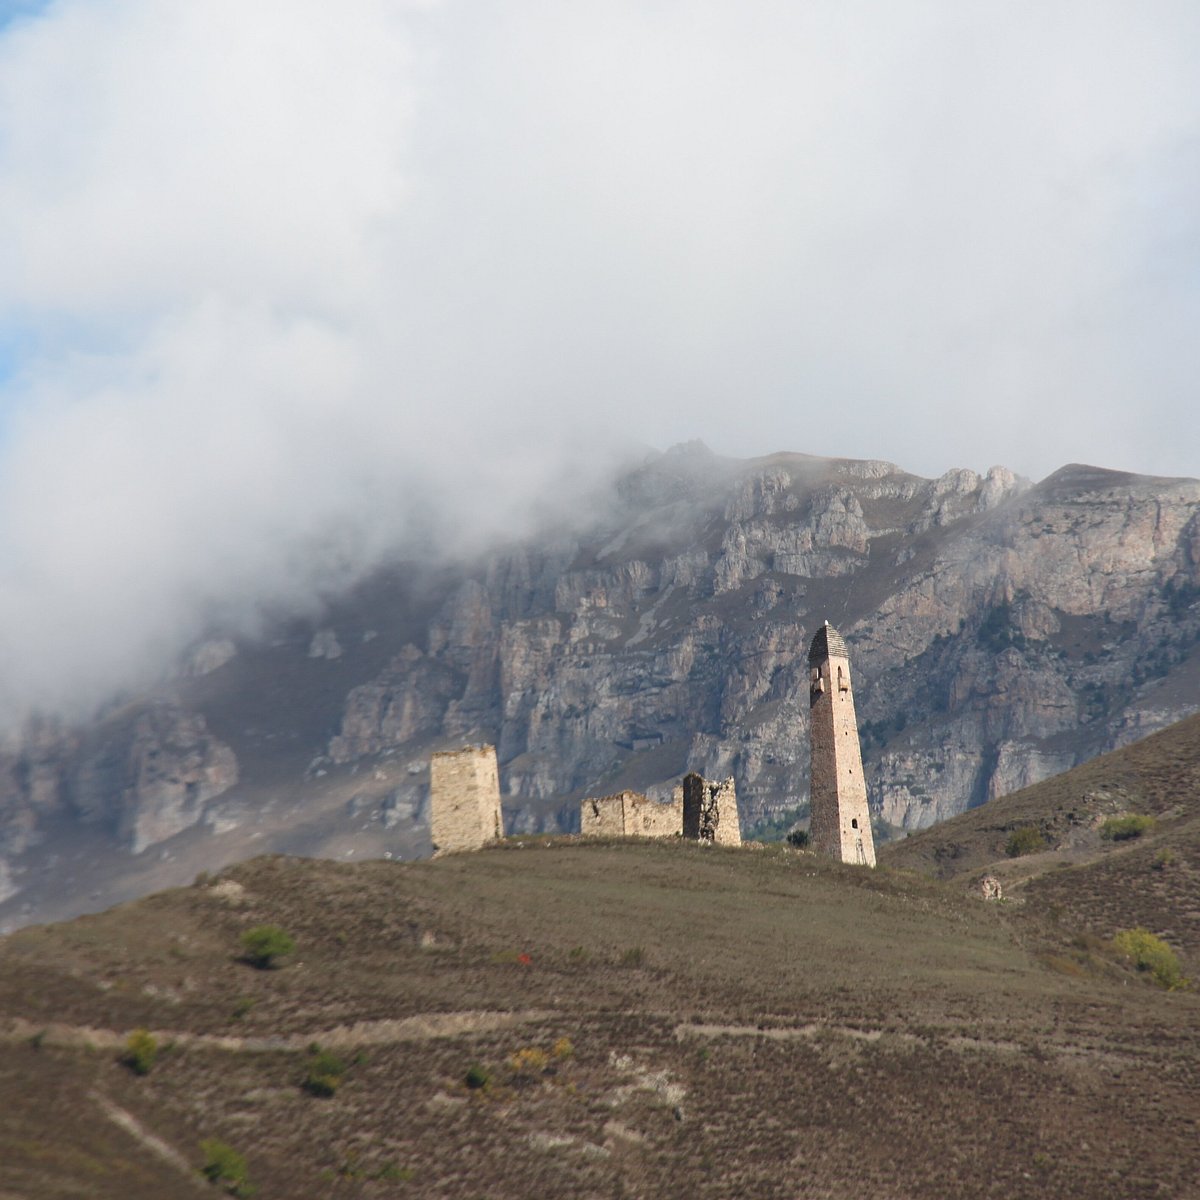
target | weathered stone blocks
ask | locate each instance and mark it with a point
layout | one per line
(699, 809)
(464, 799)
(710, 811)
(629, 814)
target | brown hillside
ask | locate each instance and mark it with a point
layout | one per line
(1103, 885)
(652, 1019)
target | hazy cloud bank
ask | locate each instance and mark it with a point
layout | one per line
(280, 283)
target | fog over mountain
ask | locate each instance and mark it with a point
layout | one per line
(286, 289)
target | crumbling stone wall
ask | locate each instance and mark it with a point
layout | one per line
(464, 799)
(840, 824)
(646, 817)
(710, 810)
(629, 814)
(603, 816)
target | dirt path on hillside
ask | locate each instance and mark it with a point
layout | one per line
(419, 1028)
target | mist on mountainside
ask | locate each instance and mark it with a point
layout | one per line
(289, 293)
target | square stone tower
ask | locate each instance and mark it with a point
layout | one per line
(464, 799)
(840, 825)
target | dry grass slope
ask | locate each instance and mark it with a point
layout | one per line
(652, 1019)
(1084, 879)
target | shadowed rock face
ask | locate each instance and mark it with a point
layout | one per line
(999, 633)
(143, 775)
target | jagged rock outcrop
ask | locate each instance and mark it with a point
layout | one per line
(143, 776)
(408, 700)
(174, 767)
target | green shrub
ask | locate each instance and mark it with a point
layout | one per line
(635, 956)
(775, 828)
(264, 945)
(1162, 860)
(798, 838)
(325, 1073)
(226, 1168)
(1121, 829)
(1151, 954)
(477, 1077)
(140, 1052)
(1028, 839)
(242, 1007)
(354, 1168)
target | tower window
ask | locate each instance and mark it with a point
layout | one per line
(854, 823)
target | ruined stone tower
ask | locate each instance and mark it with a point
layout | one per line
(464, 799)
(840, 825)
(710, 811)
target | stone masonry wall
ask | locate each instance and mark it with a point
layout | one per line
(840, 824)
(464, 799)
(603, 816)
(629, 814)
(645, 817)
(710, 810)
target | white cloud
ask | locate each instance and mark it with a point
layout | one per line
(277, 268)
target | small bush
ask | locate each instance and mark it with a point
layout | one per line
(529, 1061)
(798, 838)
(242, 1007)
(388, 1172)
(1122, 829)
(325, 1073)
(578, 954)
(477, 1078)
(140, 1052)
(264, 945)
(635, 956)
(226, 1168)
(1028, 839)
(1162, 860)
(391, 1173)
(562, 1048)
(1151, 954)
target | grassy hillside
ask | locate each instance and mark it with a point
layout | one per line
(1080, 876)
(650, 1019)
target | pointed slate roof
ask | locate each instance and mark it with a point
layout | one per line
(826, 644)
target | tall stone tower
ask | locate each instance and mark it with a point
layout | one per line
(840, 825)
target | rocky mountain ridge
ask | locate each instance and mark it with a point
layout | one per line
(1001, 632)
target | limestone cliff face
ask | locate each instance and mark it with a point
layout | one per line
(406, 701)
(999, 633)
(141, 776)
(174, 767)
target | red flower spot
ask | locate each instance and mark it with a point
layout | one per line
(525, 960)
